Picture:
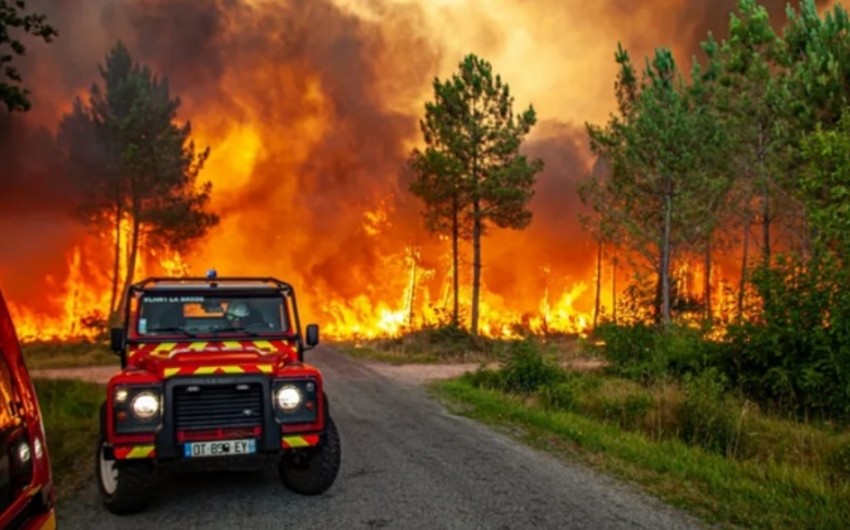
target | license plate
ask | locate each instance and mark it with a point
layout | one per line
(222, 448)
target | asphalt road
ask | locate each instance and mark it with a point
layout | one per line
(407, 463)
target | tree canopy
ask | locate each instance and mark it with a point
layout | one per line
(471, 174)
(15, 18)
(134, 164)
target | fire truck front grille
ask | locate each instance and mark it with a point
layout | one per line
(199, 407)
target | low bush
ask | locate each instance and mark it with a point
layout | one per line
(527, 370)
(838, 462)
(486, 378)
(568, 394)
(648, 354)
(709, 415)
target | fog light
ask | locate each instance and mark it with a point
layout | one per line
(121, 395)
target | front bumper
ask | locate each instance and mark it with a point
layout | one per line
(166, 445)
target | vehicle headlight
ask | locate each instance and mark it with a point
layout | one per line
(288, 397)
(145, 405)
(24, 453)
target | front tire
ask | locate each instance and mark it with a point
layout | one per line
(125, 486)
(312, 471)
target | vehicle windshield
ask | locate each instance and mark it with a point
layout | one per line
(200, 314)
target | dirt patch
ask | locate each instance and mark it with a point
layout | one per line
(422, 373)
(91, 374)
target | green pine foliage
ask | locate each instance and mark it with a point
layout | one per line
(471, 175)
(132, 162)
(749, 152)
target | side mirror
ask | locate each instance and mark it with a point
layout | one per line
(116, 340)
(312, 335)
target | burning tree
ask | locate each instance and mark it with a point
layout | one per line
(471, 173)
(132, 164)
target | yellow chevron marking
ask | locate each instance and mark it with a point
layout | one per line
(231, 345)
(295, 441)
(171, 371)
(264, 345)
(50, 523)
(140, 451)
(265, 368)
(165, 346)
(197, 346)
(228, 369)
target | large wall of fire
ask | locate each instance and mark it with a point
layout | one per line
(311, 108)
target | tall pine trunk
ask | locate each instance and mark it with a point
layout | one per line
(744, 258)
(765, 213)
(765, 198)
(614, 289)
(598, 285)
(455, 281)
(412, 299)
(133, 249)
(116, 264)
(476, 264)
(709, 313)
(664, 276)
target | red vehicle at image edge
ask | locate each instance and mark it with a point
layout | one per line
(27, 498)
(213, 376)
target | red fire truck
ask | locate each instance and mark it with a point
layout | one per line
(213, 373)
(27, 498)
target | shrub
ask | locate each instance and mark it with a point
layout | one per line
(527, 370)
(568, 394)
(838, 462)
(621, 402)
(795, 357)
(709, 414)
(486, 378)
(631, 412)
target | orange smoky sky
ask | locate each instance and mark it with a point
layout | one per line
(311, 108)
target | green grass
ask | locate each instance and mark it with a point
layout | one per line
(70, 411)
(41, 355)
(722, 490)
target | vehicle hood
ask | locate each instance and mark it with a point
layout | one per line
(198, 357)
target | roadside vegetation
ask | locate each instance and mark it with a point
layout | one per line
(70, 413)
(730, 398)
(444, 344)
(695, 441)
(452, 344)
(56, 354)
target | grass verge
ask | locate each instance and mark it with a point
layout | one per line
(718, 489)
(70, 413)
(40, 355)
(450, 344)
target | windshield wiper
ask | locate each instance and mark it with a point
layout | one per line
(236, 330)
(172, 330)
